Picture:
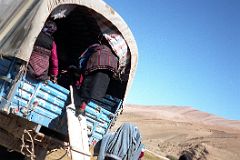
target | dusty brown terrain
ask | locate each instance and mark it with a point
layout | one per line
(169, 130)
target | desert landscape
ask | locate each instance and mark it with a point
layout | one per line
(169, 130)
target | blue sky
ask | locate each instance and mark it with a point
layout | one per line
(189, 53)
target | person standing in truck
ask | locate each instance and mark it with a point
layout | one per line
(97, 65)
(43, 63)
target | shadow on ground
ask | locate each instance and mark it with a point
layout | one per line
(6, 155)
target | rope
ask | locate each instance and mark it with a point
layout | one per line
(5, 78)
(29, 149)
(63, 156)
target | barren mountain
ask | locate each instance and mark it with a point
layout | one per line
(170, 130)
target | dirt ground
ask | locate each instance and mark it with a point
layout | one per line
(171, 130)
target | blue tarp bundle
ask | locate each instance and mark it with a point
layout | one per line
(124, 144)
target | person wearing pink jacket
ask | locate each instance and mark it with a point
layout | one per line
(43, 63)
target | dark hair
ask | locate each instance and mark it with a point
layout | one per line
(185, 156)
(50, 27)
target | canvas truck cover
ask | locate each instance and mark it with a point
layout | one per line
(22, 20)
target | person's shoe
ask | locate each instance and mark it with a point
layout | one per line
(81, 109)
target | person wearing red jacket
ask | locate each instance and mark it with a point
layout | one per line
(43, 63)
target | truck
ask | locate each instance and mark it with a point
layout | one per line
(33, 114)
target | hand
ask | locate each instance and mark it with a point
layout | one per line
(72, 67)
(64, 71)
(53, 78)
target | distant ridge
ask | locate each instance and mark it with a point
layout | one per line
(170, 130)
(183, 114)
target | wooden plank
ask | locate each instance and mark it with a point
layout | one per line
(77, 129)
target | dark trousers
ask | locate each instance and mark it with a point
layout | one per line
(95, 85)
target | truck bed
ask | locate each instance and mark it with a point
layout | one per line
(43, 103)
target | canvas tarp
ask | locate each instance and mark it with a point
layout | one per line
(21, 36)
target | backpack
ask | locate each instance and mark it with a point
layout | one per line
(39, 61)
(86, 54)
